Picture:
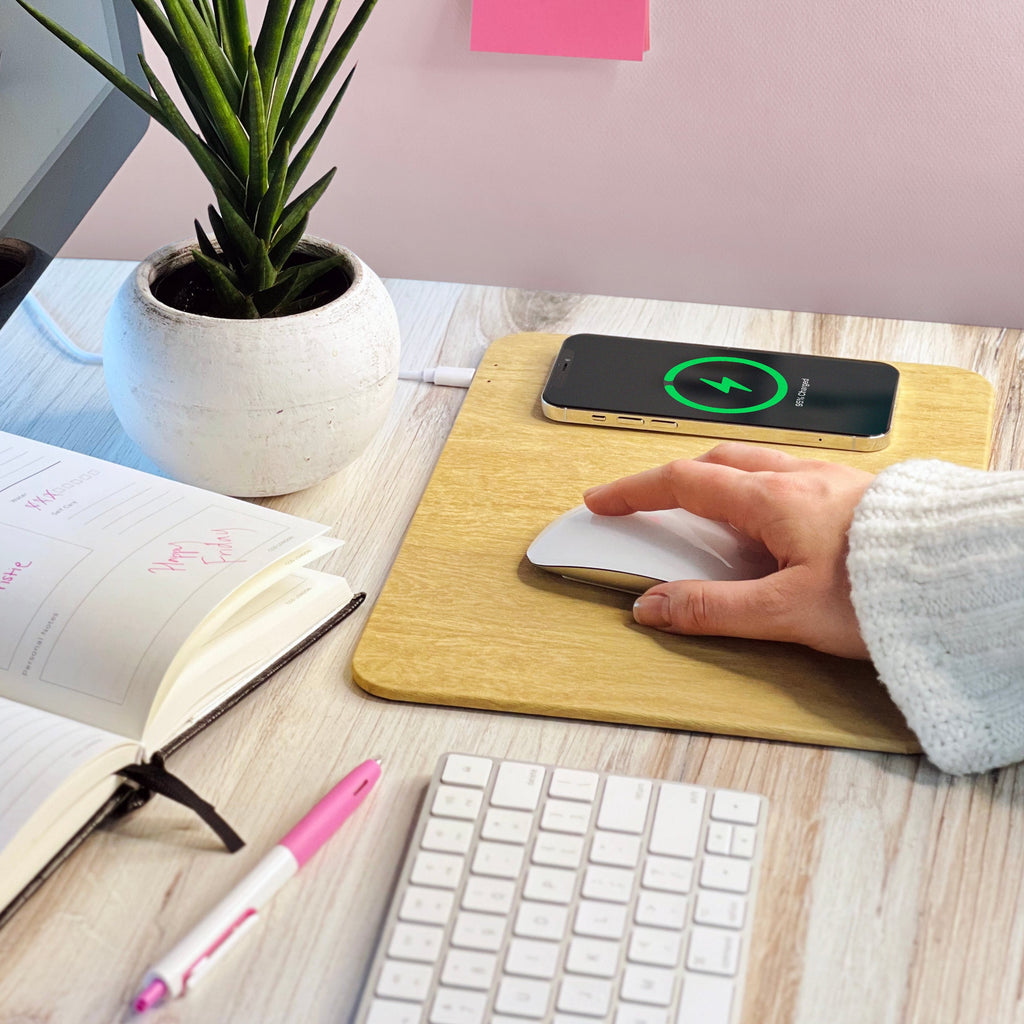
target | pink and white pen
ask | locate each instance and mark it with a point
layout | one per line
(175, 973)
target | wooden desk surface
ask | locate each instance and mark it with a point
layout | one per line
(891, 894)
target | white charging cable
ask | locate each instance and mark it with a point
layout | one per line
(48, 326)
(450, 376)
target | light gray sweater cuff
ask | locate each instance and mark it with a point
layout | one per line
(936, 566)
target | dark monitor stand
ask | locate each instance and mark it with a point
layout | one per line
(65, 130)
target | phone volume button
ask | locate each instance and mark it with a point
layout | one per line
(631, 420)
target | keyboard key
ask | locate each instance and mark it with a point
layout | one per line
(491, 895)
(603, 883)
(602, 920)
(615, 848)
(523, 997)
(420, 942)
(499, 860)
(558, 850)
(566, 816)
(541, 921)
(457, 1006)
(474, 930)
(661, 909)
(557, 896)
(402, 980)
(568, 784)
(552, 885)
(457, 802)
(589, 996)
(656, 946)
(744, 841)
(442, 870)
(517, 786)
(631, 1013)
(427, 906)
(624, 804)
(720, 908)
(508, 826)
(533, 958)
(464, 770)
(597, 957)
(706, 999)
(447, 835)
(677, 820)
(719, 838)
(465, 968)
(713, 950)
(729, 873)
(652, 985)
(668, 874)
(388, 1011)
(741, 808)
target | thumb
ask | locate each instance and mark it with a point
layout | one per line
(753, 609)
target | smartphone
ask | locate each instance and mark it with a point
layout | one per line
(747, 394)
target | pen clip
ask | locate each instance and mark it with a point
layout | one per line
(219, 947)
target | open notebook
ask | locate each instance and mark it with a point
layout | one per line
(132, 610)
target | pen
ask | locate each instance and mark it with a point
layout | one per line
(176, 972)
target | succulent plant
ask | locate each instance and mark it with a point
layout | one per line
(252, 103)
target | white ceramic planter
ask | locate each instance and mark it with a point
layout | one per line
(251, 407)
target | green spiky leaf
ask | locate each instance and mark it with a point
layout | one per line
(283, 248)
(294, 283)
(233, 32)
(256, 129)
(303, 203)
(237, 300)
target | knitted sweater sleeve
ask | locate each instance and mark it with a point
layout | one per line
(936, 565)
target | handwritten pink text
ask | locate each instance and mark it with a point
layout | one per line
(44, 498)
(8, 576)
(184, 554)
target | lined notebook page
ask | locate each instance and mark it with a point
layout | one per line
(38, 751)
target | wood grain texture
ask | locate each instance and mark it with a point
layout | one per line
(465, 620)
(892, 893)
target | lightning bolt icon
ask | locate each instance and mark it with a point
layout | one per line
(725, 385)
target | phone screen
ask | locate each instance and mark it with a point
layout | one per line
(713, 384)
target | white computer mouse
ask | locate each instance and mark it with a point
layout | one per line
(634, 552)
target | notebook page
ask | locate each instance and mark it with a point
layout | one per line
(39, 754)
(105, 571)
(245, 645)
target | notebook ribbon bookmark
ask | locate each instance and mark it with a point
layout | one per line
(153, 777)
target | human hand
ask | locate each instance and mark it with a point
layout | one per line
(799, 509)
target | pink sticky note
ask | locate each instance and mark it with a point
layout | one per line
(612, 29)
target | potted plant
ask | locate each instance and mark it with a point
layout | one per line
(256, 359)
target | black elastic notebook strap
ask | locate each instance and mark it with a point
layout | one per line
(153, 777)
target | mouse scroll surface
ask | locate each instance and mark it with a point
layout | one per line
(635, 552)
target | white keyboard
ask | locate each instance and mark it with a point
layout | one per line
(538, 893)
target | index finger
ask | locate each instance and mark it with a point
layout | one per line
(706, 489)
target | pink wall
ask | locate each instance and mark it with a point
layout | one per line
(860, 156)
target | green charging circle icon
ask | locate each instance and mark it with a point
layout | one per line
(726, 385)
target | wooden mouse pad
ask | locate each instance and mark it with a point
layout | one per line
(465, 620)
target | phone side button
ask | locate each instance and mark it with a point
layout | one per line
(633, 421)
(665, 424)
